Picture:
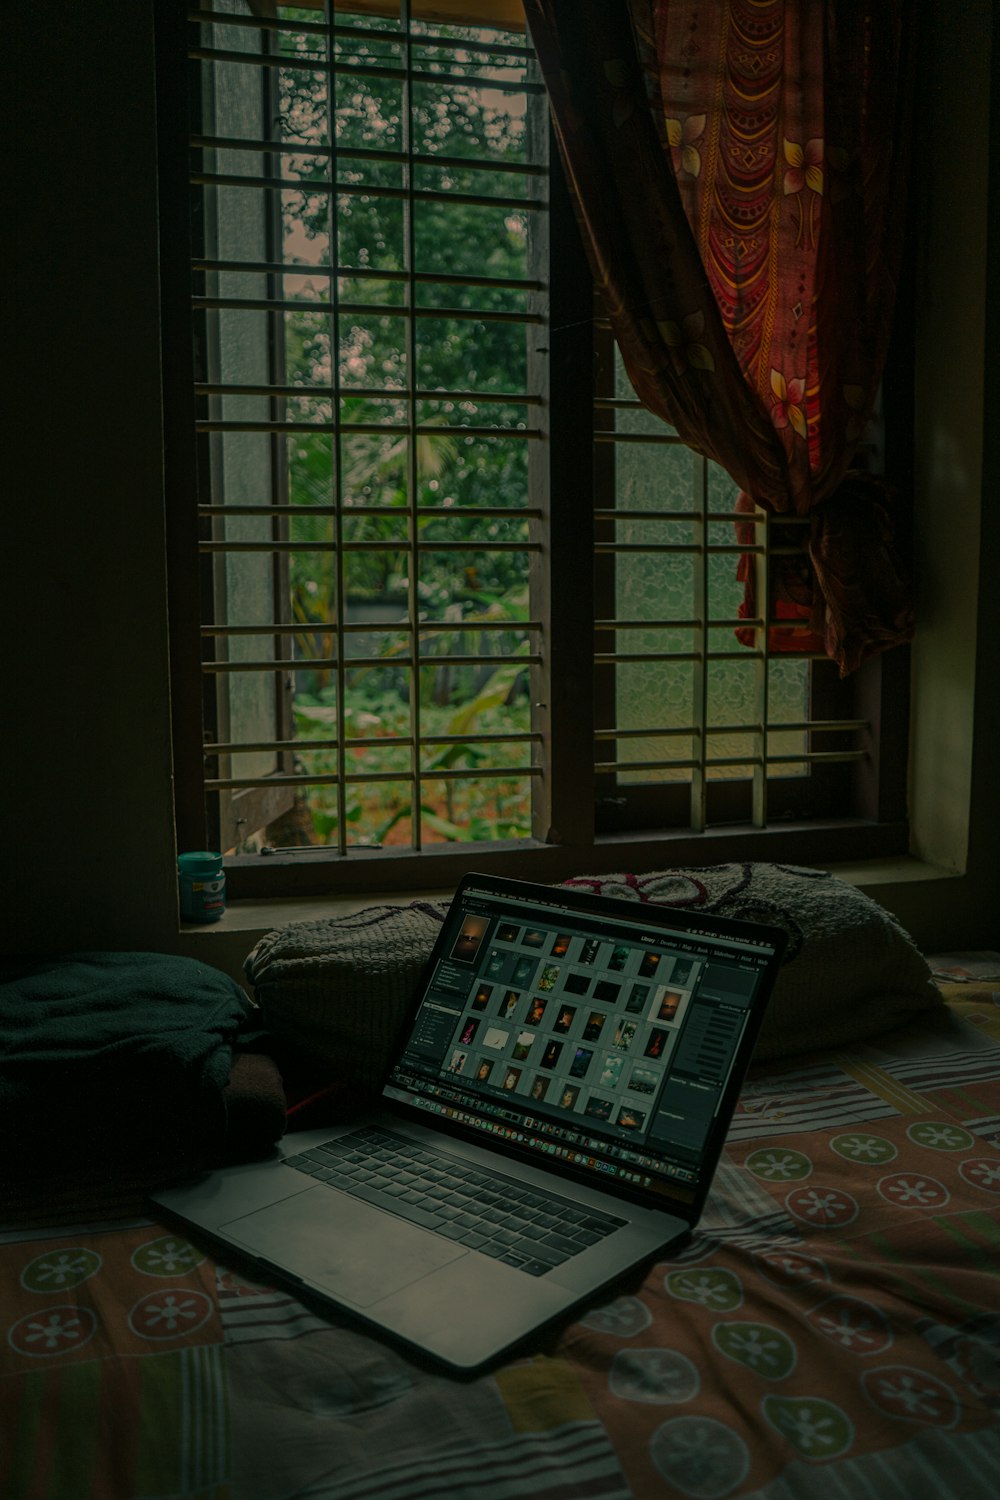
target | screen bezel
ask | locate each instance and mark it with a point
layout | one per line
(654, 915)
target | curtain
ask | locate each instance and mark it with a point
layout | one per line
(739, 169)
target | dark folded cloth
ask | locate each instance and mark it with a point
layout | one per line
(118, 1064)
(256, 1112)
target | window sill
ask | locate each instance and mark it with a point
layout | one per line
(226, 943)
(258, 917)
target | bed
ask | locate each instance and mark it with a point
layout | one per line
(835, 1321)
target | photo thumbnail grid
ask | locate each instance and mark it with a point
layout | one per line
(584, 1024)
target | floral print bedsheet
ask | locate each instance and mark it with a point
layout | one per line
(834, 1321)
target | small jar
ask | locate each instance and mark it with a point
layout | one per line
(202, 882)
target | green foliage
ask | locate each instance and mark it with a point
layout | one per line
(373, 475)
(375, 808)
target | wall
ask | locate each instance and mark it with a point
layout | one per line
(86, 757)
(955, 721)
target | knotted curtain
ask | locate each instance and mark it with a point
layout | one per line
(738, 169)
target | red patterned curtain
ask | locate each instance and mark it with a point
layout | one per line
(739, 172)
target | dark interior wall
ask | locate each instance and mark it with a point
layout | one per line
(954, 788)
(984, 833)
(86, 769)
(87, 789)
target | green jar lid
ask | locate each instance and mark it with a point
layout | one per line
(201, 862)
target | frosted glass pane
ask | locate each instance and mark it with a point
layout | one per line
(654, 477)
(659, 695)
(661, 587)
(733, 698)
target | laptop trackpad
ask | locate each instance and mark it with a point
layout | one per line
(359, 1254)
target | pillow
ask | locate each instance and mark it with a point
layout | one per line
(849, 972)
(340, 987)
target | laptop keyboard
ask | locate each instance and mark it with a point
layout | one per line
(524, 1227)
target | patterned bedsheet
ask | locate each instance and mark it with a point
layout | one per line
(834, 1322)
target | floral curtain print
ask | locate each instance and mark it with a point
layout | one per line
(739, 171)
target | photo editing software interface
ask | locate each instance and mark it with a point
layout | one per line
(599, 1042)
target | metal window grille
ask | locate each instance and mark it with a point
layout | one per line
(400, 645)
(684, 700)
(347, 544)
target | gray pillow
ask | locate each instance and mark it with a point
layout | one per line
(850, 970)
(340, 987)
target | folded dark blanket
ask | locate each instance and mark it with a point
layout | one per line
(115, 1062)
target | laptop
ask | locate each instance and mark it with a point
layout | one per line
(552, 1116)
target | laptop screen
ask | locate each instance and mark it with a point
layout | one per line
(604, 1034)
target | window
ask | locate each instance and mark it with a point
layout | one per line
(445, 594)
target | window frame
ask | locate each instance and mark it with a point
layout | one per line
(580, 821)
